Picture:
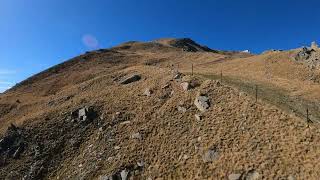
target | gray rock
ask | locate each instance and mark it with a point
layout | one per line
(131, 79)
(140, 164)
(124, 174)
(234, 176)
(202, 103)
(182, 109)
(185, 86)
(198, 117)
(147, 92)
(178, 75)
(291, 177)
(136, 136)
(252, 175)
(83, 114)
(165, 86)
(210, 155)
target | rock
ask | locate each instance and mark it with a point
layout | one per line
(185, 86)
(252, 175)
(291, 177)
(136, 136)
(185, 157)
(13, 143)
(117, 147)
(165, 86)
(140, 164)
(210, 155)
(125, 122)
(131, 79)
(202, 103)
(124, 174)
(198, 117)
(314, 45)
(84, 114)
(182, 109)
(147, 92)
(234, 176)
(177, 75)
(304, 54)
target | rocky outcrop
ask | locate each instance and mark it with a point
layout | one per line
(309, 56)
(202, 103)
(131, 79)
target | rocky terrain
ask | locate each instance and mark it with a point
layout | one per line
(160, 110)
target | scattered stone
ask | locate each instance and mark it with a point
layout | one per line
(178, 75)
(210, 155)
(125, 122)
(13, 143)
(314, 45)
(185, 157)
(84, 114)
(234, 176)
(117, 147)
(165, 86)
(304, 54)
(252, 175)
(140, 164)
(202, 103)
(131, 79)
(124, 174)
(136, 136)
(291, 177)
(182, 109)
(185, 86)
(198, 117)
(147, 92)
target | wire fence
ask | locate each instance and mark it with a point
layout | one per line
(299, 106)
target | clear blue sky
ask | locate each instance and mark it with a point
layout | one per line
(36, 34)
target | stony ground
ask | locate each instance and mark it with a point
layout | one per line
(84, 120)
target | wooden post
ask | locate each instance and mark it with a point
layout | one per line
(221, 76)
(256, 93)
(192, 69)
(307, 115)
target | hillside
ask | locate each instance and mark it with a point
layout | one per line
(136, 111)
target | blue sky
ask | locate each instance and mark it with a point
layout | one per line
(36, 34)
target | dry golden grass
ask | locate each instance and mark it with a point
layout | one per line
(264, 136)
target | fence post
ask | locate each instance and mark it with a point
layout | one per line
(307, 114)
(221, 76)
(256, 93)
(192, 69)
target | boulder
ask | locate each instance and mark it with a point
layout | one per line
(202, 103)
(13, 143)
(198, 117)
(84, 114)
(131, 79)
(304, 54)
(136, 136)
(210, 155)
(124, 174)
(147, 92)
(185, 86)
(252, 175)
(177, 75)
(234, 176)
(182, 109)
